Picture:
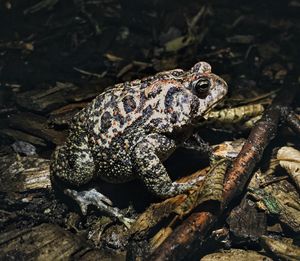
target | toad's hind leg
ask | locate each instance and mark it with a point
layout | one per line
(73, 166)
(73, 162)
(147, 157)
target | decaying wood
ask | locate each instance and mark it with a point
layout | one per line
(45, 242)
(289, 159)
(228, 149)
(64, 115)
(46, 99)
(13, 134)
(236, 254)
(277, 197)
(284, 249)
(36, 125)
(39, 242)
(293, 121)
(53, 97)
(213, 184)
(246, 222)
(194, 229)
(234, 115)
(19, 174)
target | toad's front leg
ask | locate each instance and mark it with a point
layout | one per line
(147, 156)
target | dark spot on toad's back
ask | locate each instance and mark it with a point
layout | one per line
(156, 122)
(119, 118)
(174, 117)
(105, 121)
(169, 97)
(113, 101)
(98, 102)
(154, 93)
(129, 103)
(177, 73)
(144, 84)
(142, 101)
(147, 111)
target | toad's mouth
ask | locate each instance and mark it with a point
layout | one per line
(217, 95)
(199, 121)
(210, 107)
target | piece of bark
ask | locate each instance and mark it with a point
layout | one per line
(293, 121)
(228, 149)
(211, 190)
(44, 100)
(180, 243)
(53, 97)
(19, 174)
(276, 195)
(36, 125)
(281, 248)
(48, 242)
(236, 254)
(289, 159)
(232, 119)
(281, 200)
(246, 222)
(44, 242)
(95, 254)
(64, 115)
(22, 136)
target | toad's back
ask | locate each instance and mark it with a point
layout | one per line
(142, 104)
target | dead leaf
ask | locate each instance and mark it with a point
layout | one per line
(289, 159)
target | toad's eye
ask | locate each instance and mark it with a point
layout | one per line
(201, 87)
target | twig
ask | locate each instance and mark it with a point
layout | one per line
(181, 243)
(89, 73)
(44, 4)
(293, 121)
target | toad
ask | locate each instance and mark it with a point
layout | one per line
(130, 129)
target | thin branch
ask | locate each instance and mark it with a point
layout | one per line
(293, 121)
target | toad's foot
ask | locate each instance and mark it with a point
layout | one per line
(93, 197)
(198, 144)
